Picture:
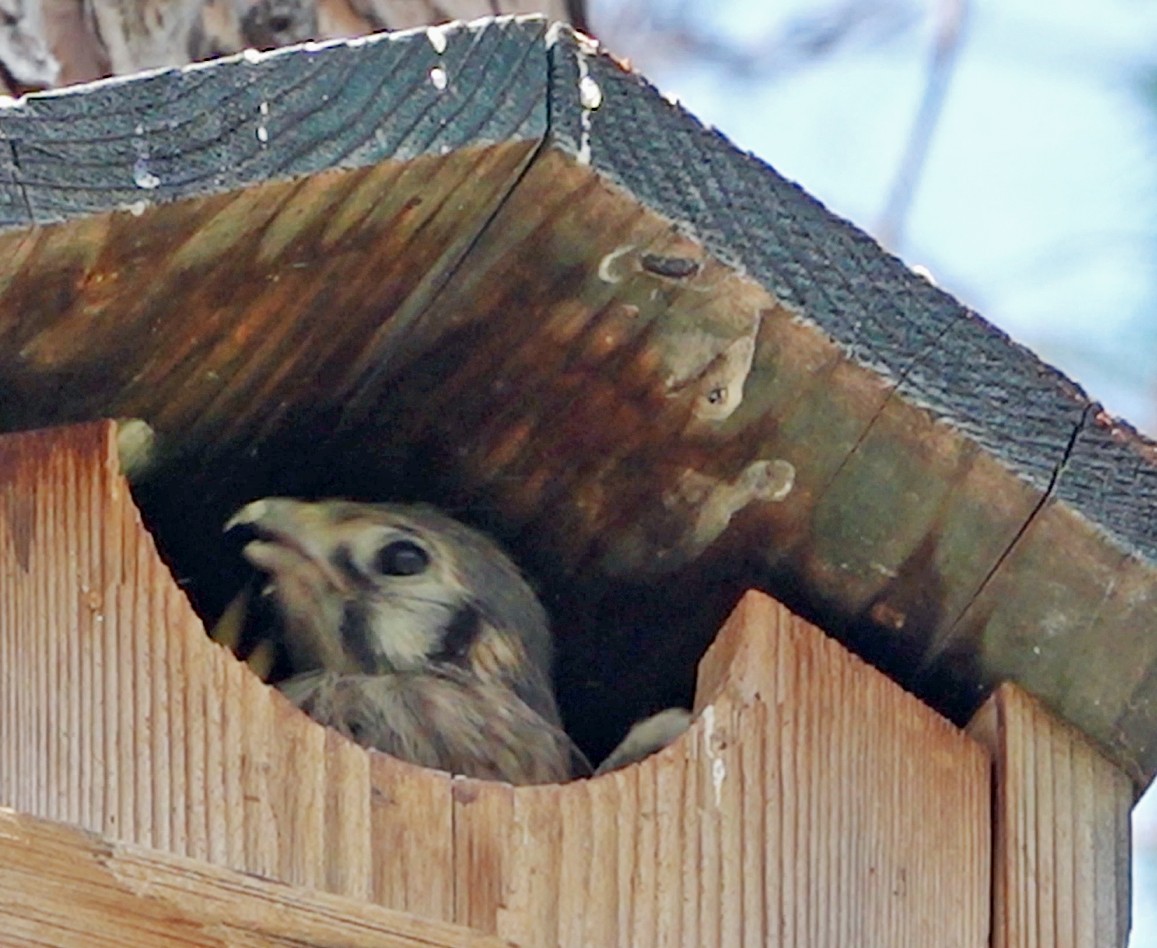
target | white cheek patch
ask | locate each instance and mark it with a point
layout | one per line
(406, 646)
(407, 632)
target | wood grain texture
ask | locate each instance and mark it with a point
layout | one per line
(843, 795)
(565, 310)
(64, 887)
(974, 496)
(211, 129)
(120, 715)
(812, 803)
(1061, 874)
(812, 800)
(298, 229)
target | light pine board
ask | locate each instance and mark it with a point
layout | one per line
(813, 803)
(63, 886)
(1062, 844)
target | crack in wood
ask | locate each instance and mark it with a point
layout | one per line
(885, 403)
(940, 642)
(18, 179)
(406, 326)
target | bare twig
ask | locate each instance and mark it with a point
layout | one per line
(950, 16)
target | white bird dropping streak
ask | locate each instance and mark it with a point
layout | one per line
(590, 98)
(437, 39)
(718, 767)
(142, 176)
(590, 95)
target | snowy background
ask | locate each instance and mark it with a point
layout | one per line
(1006, 146)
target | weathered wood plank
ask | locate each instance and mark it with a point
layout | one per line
(927, 347)
(253, 119)
(1062, 856)
(659, 371)
(952, 476)
(269, 281)
(811, 802)
(63, 886)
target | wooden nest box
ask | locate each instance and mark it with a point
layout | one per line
(488, 267)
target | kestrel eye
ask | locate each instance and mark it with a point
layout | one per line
(402, 558)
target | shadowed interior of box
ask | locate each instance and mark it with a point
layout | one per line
(625, 646)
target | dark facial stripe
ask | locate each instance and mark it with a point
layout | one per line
(344, 564)
(355, 637)
(463, 630)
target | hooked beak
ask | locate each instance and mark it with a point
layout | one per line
(291, 543)
(285, 531)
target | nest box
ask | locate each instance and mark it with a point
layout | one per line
(487, 266)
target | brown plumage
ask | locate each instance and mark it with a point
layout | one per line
(414, 634)
(449, 719)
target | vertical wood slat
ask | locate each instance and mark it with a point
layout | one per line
(412, 824)
(1062, 836)
(119, 714)
(880, 812)
(881, 806)
(812, 803)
